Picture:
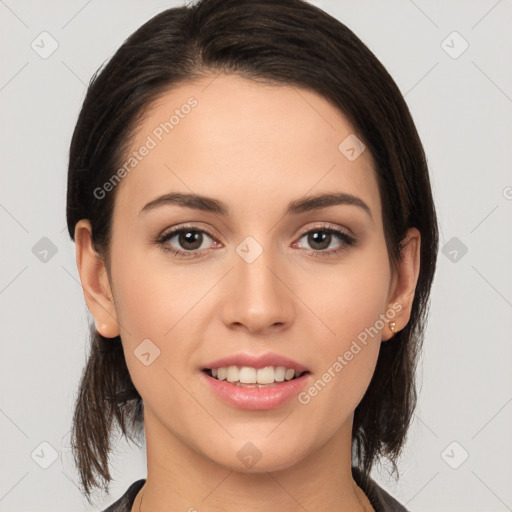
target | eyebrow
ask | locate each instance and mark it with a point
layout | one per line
(208, 204)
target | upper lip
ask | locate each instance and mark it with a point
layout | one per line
(257, 361)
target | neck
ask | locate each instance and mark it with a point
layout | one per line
(180, 478)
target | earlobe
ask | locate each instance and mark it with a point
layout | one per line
(95, 282)
(406, 278)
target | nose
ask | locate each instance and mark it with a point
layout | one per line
(257, 296)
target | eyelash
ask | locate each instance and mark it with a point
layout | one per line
(348, 241)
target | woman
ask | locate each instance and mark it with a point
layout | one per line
(256, 240)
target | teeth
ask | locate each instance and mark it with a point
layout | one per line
(249, 375)
(280, 373)
(246, 375)
(232, 374)
(289, 374)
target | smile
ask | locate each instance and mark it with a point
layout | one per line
(247, 375)
(255, 396)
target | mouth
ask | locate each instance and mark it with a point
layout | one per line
(247, 376)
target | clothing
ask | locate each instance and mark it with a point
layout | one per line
(125, 502)
(381, 501)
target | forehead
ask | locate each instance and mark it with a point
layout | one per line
(243, 142)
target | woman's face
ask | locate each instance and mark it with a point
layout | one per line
(259, 278)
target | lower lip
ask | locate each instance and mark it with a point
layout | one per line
(254, 398)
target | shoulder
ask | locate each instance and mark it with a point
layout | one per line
(381, 500)
(125, 502)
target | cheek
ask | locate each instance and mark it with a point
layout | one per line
(351, 302)
(350, 297)
(148, 295)
(152, 304)
(149, 302)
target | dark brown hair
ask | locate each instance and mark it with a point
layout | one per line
(278, 42)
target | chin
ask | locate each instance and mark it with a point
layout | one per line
(259, 456)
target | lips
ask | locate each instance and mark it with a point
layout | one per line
(269, 367)
(256, 397)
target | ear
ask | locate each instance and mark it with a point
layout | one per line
(404, 283)
(95, 281)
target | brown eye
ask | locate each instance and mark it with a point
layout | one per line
(188, 241)
(319, 239)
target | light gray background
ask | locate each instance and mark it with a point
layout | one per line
(463, 110)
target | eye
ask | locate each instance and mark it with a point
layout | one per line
(321, 238)
(189, 240)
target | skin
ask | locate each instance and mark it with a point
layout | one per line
(254, 147)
